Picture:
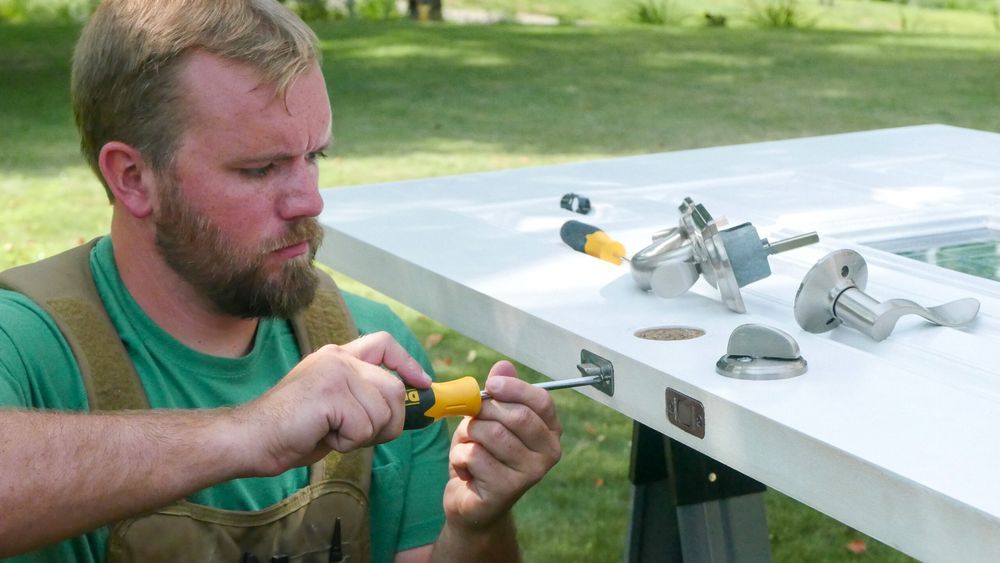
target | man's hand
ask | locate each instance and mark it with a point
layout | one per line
(75, 472)
(338, 398)
(500, 454)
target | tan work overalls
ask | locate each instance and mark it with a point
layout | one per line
(297, 529)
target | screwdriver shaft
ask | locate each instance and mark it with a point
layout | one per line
(559, 384)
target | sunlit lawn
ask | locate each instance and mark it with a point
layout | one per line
(412, 101)
(976, 16)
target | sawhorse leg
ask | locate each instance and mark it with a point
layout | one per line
(687, 507)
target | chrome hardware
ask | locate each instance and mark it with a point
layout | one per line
(592, 365)
(728, 259)
(832, 293)
(760, 352)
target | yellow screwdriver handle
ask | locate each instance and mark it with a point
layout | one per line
(600, 245)
(460, 397)
(591, 240)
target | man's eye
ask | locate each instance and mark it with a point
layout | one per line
(257, 172)
(314, 156)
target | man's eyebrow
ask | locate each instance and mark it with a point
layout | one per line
(278, 156)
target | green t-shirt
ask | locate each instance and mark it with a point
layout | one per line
(37, 370)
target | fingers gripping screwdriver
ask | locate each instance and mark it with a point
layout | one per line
(462, 397)
(593, 241)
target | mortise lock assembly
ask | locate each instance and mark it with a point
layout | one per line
(728, 259)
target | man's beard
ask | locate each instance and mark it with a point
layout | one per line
(235, 280)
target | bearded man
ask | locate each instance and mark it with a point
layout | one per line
(190, 387)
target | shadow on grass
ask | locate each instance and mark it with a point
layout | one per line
(399, 88)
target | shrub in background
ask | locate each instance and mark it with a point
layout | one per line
(715, 20)
(657, 12)
(779, 13)
(377, 10)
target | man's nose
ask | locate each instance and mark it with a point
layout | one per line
(301, 198)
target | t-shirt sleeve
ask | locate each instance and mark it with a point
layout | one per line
(37, 368)
(13, 372)
(12, 380)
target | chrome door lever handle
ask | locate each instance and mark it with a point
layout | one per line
(832, 293)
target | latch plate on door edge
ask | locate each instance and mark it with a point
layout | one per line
(607, 371)
(686, 413)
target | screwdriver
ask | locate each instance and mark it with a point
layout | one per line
(588, 239)
(462, 397)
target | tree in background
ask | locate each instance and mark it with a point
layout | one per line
(432, 7)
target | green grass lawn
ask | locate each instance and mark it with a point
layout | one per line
(412, 101)
(969, 16)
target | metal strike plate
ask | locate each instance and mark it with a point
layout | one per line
(605, 369)
(686, 413)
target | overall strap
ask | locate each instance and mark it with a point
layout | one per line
(327, 321)
(63, 286)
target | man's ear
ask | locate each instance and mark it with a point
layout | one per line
(129, 177)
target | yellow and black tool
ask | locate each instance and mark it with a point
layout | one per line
(459, 397)
(593, 241)
(462, 397)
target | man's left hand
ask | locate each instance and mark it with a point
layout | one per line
(501, 453)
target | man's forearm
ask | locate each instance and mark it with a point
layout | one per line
(64, 474)
(495, 543)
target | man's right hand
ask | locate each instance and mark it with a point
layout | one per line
(337, 398)
(77, 471)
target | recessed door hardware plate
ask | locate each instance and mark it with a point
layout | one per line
(686, 413)
(592, 364)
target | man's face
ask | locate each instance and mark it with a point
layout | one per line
(236, 217)
(233, 278)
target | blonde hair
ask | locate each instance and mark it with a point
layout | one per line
(126, 64)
